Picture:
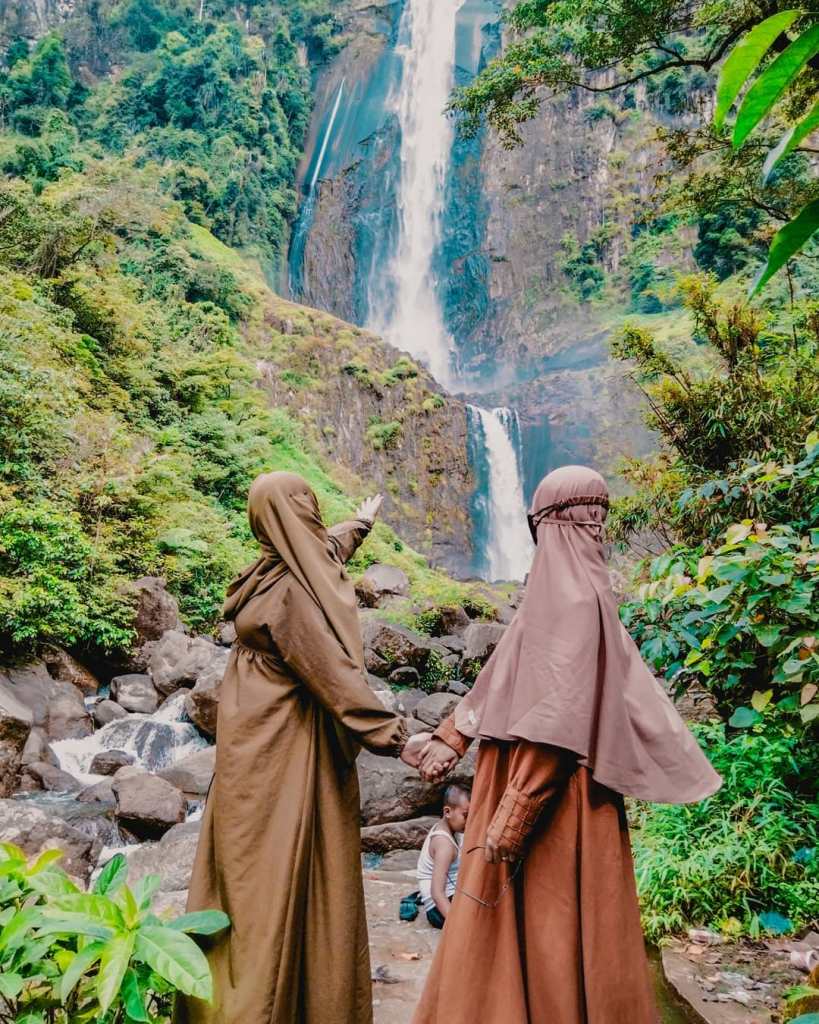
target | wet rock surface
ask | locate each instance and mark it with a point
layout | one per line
(15, 729)
(147, 806)
(135, 692)
(35, 830)
(56, 707)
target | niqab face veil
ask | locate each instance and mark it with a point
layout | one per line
(568, 674)
(285, 520)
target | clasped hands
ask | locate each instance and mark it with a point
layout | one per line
(432, 757)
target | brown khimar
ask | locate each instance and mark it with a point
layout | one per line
(566, 672)
(280, 848)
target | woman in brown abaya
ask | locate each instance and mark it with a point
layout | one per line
(545, 926)
(279, 850)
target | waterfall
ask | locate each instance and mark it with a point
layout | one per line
(406, 308)
(509, 547)
(305, 218)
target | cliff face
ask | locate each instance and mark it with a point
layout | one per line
(375, 413)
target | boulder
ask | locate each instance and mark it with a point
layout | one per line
(452, 619)
(432, 710)
(406, 676)
(101, 793)
(408, 700)
(375, 663)
(106, 711)
(225, 634)
(177, 660)
(396, 835)
(156, 609)
(382, 581)
(453, 643)
(56, 707)
(202, 703)
(37, 749)
(392, 791)
(135, 692)
(397, 646)
(49, 777)
(147, 806)
(65, 668)
(171, 858)
(481, 639)
(192, 774)
(155, 743)
(36, 830)
(108, 762)
(458, 688)
(15, 729)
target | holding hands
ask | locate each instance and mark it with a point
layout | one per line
(432, 757)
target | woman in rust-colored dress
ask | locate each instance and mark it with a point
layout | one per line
(280, 848)
(545, 926)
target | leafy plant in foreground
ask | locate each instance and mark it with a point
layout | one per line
(69, 957)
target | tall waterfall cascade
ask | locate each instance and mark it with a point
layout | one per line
(509, 548)
(407, 311)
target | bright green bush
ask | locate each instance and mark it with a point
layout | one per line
(747, 859)
(68, 956)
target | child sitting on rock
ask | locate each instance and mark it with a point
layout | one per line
(440, 856)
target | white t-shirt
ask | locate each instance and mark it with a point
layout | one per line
(425, 865)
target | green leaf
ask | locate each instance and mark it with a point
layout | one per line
(145, 889)
(14, 933)
(790, 140)
(11, 985)
(116, 956)
(74, 924)
(768, 635)
(132, 997)
(775, 923)
(744, 718)
(94, 905)
(82, 962)
(773, 81)
(759, 700)
(201, 922)
(52, 883)
(806, 1018)
(112, 875)
(46, 859)
(809, 713)
(31, 1018)
(745, 58)
(176, 958)
(788, 241)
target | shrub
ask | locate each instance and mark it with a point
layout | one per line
(68, 956)
(745, 860)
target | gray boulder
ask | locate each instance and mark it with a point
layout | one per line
(202, 703)
(453, 643)
(147, 806)
(192, 774)
(382, 581)
(481, 639)
(452, 620)
(38, 749)
(171, 858)
(56, 707)
(109, 762)
(65, 668)
(458, 688)
(392, 791)
(156, 609)
(35, 830)
(135, 692)
(49, 777)
(226, 634)
(432, 710)
(106, 711)
(396, 835)
(408, 700)
(15, 729)
(406, 676)
(397, 646)
(101, 793)
(176, 660)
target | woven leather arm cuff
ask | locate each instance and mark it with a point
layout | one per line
(514, 819)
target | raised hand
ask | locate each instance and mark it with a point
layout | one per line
(369, 508)
(414, 748)
(438, 760)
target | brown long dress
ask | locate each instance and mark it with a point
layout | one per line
(280, 845)
(561, 942)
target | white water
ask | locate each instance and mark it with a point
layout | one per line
(155, 741)
(427, 49)
(327, 135)
(510, 545)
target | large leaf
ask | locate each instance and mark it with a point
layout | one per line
(744, 59)
(744, 718)
(52, 883)
(788, 241)
(14, 933)
(790, 140)
(144, 890)
(201, 922)
(100, 907)
(773, 81)
(806, 1018)
(132, 997)
(112, 875)
(11, 985)
(116, 956)
(45, 860)
(176, 958)
(82, 962)
(74, 924)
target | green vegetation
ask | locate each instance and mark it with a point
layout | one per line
(68, 955)
(218, 105)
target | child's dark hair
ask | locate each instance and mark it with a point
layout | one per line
(454, 793)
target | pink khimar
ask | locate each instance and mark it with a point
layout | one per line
(567, 673)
